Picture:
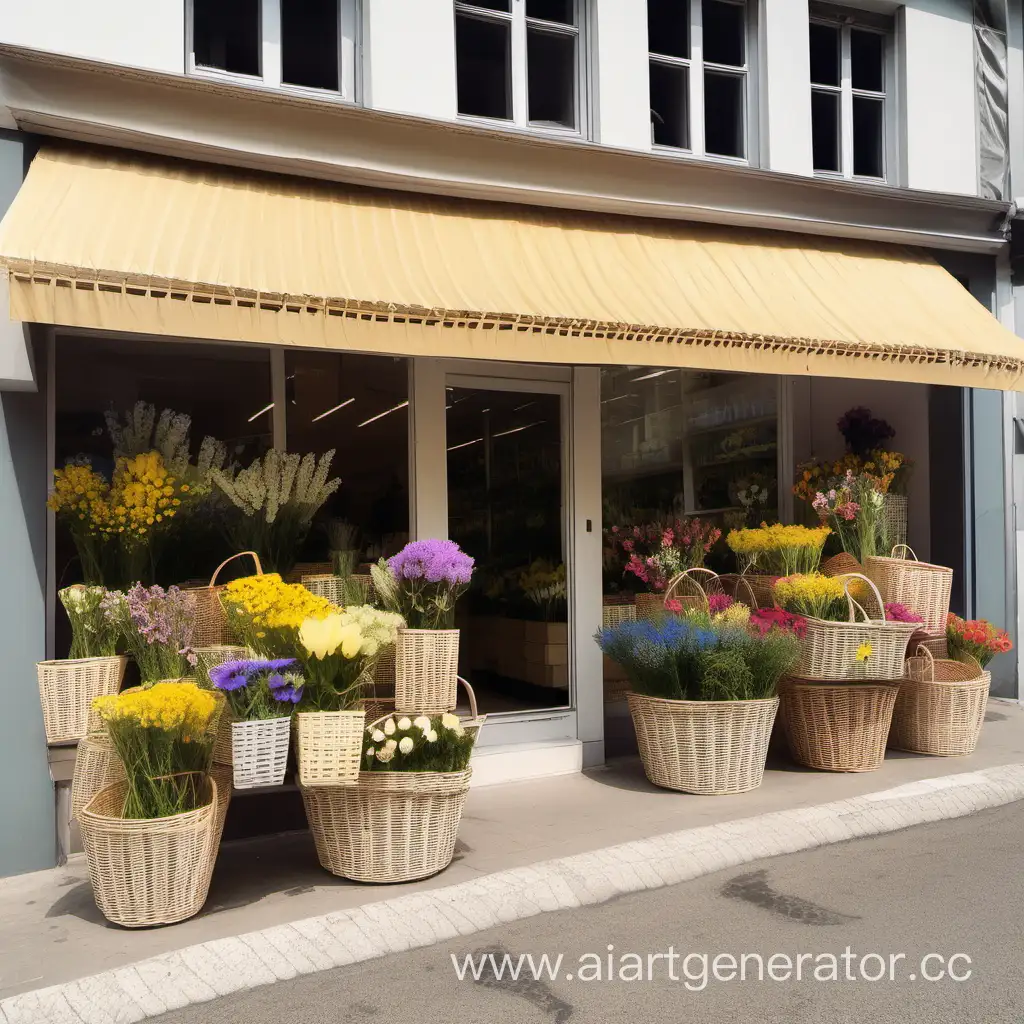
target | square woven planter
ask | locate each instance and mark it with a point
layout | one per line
(426, 671)
(260, 751)
(67, 689)
(705, 747)
(329, 747)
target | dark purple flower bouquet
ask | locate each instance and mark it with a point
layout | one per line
(157, 627)
(258, 689)
(423, 582)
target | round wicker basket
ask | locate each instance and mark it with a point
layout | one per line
(837, 727)
(941, 706)
(704, 747)
(390, 827)
(426, 670)
(67, 689)
(924, 588)
(149, 871)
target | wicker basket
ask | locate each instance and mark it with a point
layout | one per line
(326, 585)
(828, 650)
(922, 587)
(303, 569)
(96, 767)
(329, 747)
(613, 613)
(895, 509)
(212, 629)
(940, 707)
(648, 606)
(704, 747)
(841, 565)
(211, 657)
(260, 752)
(378, 707)
(761, 588)
(426, 670)
(222, 775)
(391, 827)
(149, 871)
(384, 670)
(935, 643)
(839, 727)
(67, 689)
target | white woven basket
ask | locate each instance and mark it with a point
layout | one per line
(426, 671)
(329, 747)
(67, 689)
(260, 751)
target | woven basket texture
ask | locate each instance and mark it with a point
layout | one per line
(222, 775)
(151, 871)
(841, 565)
(704, 747)
(837, 728)
(391, 827)
(329, 747)
(924, 588)
(260, 752)
(384, 670)
(895, 514)
(941, 707)
(211, 657)
(761, 588)
(614, 614)
(303, 569)
(96, 767)
(67, 689)
(935, 643)
(616, 682)
(211, 628)
(326, 585)
(426, 671)
(379, 708)
(648, 606)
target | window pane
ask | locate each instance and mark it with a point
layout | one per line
(551, 59)
(226, 35)
(492, 5)
(309, 43)
(552, 10)
(867, 137)
(825, 131)
(724, 121)
(670, 105)
(668, 27)
(724, 27)
(866, 50)
(824, 54)
(483, 67)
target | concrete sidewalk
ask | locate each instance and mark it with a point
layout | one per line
(51, 932)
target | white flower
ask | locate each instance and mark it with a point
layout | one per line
(405, 745)
(422, 723)
(384, 754)
(369, 751)
(391, 746)
(450, 721)
(378, 736)
(389, 727)
(431, 736)
(404, 724)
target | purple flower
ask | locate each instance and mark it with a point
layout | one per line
(433, 561)
(286, 688)
(231, 675)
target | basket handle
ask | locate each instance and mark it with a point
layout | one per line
(474, 711)
(854, 605)
(689, 574)
(740, 577)
(241, 554)
(906, 548)
(924, 652)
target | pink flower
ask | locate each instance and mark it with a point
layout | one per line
(719, 602)
(627, 545)
(673, 604)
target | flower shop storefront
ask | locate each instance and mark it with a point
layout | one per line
(597, 475)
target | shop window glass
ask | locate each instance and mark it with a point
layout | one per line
(226, 35)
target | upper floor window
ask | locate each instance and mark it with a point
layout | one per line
(304, 44)
(850, 83)
(521, 61)
(701, 86)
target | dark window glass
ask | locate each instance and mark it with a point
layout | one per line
(670, 105)
(226, 35)
(723, 114)
(825, 131)
(668, 27)
(493, 5)
(723, 32)
(309, 43)
(551, 60)
(866, 57)
(867, 137)
(824, 55)
(552, 10)
(484, 71)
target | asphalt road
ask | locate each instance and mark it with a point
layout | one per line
(954, 887)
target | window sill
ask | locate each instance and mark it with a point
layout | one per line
(860, 179)
(259, 85)
(711, 158)
(545, 131)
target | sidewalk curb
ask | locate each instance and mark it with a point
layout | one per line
(223, 967)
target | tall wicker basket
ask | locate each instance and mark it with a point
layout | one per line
(391, 827)
(151, 871)
(212, 627)
(426, 670)
(705, 747)
(837, 727)
(941, 706)
(67, 689)
(924, 588)
(895, 516)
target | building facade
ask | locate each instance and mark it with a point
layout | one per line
(869, 125)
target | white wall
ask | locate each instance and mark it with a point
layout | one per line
(409, 57)
(785, 77)
(937, 78)
(139, 33)
(623, 98)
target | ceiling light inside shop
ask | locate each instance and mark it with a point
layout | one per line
(257, 415)
(465, 444)
(617, 398)
(341, 405)
(381, 415)
(516, 430)
(648, 376)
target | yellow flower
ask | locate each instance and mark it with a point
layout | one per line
(321, 637)
(864, 652)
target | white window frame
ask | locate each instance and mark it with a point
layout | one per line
(847, 25)
(349, 53)
(519, 22)
(695, 76)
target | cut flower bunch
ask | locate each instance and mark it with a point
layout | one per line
(93, 634)
(156, 626)
(434, 743)
(259, 689)
(814, 595)
(655, 552)
(778, 550)
(423, 582)
(977, 638)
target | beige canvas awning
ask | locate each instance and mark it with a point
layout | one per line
(122, 242)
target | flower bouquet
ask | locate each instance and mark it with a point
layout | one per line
(703, 698)
(68, 686)
(767, 552)
(422, 583)
(150, 840)
(976, 638)
(261, 696)
(401, 821)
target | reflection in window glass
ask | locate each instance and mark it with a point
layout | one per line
(551, 65)
(868, 145)
(309, 43)
(866, 58)
(484, 66)
(668, 28)
(670, 105)
(724, 114)
(824, 54)
(825, 131)
(562, 11)
(723, 33)
(226, 35)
